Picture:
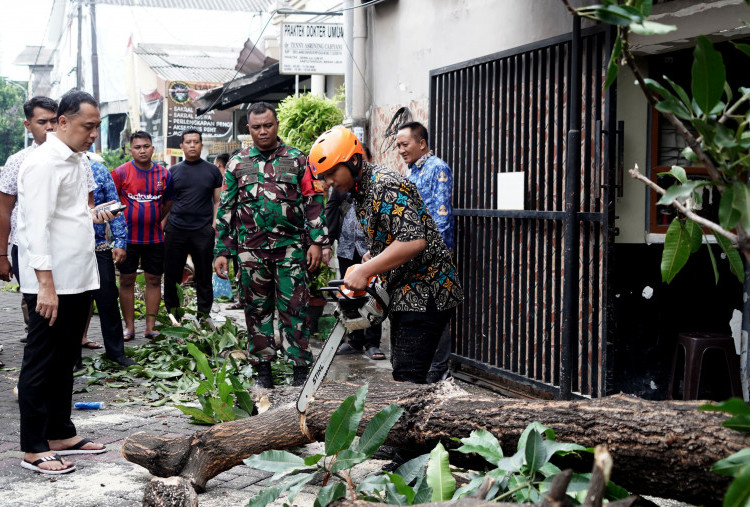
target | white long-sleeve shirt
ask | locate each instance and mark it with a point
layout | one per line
(55, 229)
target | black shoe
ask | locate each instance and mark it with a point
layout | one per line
(265, 378)
(124, 361)
(300, 374)
(23, 340)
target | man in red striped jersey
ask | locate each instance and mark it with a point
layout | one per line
(146, 189)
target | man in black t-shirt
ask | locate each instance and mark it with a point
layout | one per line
(190, 228)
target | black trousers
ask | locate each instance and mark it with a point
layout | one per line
(414, 339)
(45, 384)
(199, 244)
(362, 338)
(106, 297)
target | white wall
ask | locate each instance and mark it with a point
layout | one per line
(411, 37)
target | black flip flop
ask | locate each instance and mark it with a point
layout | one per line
(34, 465)
(91, 345)
(345, 350)
(77, 448)
(375, 354)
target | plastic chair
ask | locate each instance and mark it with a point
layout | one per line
(695, 345)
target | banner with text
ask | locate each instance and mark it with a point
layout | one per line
(312, 48)
(181, 113)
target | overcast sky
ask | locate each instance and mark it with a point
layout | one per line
(24, 24)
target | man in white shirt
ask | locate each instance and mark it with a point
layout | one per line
(41, 117)
(58, 271)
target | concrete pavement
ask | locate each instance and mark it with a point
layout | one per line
(108, 479)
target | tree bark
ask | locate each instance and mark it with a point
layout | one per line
(663, 448)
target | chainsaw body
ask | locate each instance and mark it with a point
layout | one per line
(354, 311)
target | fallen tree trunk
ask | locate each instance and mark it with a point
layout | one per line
(659, 448)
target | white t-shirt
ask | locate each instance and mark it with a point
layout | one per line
(55, 230)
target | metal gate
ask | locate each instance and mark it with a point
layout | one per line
(523, 321)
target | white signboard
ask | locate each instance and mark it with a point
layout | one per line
(312, 48)
(510, 190)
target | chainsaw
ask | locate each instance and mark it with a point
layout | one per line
(354, 311)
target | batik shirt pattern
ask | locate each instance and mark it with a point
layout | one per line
(390, 209)
(269, 203)
(434, 180)
(105, 191)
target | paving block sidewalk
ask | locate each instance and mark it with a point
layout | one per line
(108, 479)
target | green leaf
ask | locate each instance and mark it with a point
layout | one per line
(613, 68)
(401, 487)
(677, 173)
(696, 235)
(342, 427)
(196, 414)
(201, 362)
(729, 216)
(676, 250)
(243, 397)
(731, 465)
(651, 28)
(738, 423)
(656, 88)
(709, 74)
(561, 448)
(266, 496)
(734, 406)
(276, 461)
(378, 428)
(313, 460)
(347, 459)
(534, 452)
(470, 488)
(736, 266)
(223, 411)
(439, 476)
(679, 191)
(423, 492)
(689, 154)
(616, 15)
(645, 6)
(175, 332)
(294, 485)
(738, 493)
(329, 494)
(540, 428)
(712, 258)
(413, 468)
(741, 203)
(373, 483)
(745, 48)
(675, 107)
(483, 443)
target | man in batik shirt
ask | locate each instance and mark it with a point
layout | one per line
(269, 198)
(406, 250)
(434, 180)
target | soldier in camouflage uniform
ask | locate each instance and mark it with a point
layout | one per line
(269, 199)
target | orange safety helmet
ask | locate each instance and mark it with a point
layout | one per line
(336, 146)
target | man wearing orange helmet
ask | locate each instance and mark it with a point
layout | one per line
(406, 249)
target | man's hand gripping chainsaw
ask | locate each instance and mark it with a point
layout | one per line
(354, 310)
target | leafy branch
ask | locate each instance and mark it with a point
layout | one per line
(720, 146)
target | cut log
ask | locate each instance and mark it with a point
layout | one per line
(663, 448)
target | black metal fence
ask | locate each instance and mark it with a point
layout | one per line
(510, 112)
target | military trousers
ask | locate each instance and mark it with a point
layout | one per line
(274, 281)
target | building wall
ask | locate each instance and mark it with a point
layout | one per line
(407, 39)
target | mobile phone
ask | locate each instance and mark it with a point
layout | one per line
(113, 208)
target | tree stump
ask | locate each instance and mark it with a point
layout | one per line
(663, 448)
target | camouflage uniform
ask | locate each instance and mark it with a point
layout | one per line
(270, 209)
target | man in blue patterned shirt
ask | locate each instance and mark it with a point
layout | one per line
(107, 255)
(434, 180)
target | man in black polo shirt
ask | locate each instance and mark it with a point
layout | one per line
(191, 223)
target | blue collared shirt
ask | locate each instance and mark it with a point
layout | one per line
(105, 192)
(434, 180)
